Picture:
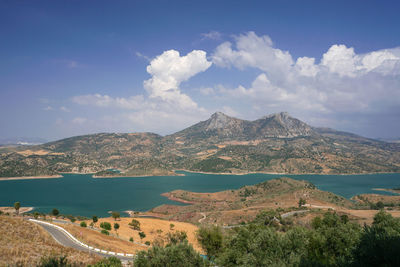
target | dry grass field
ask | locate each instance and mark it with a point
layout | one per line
(24, 243)
(154, 229)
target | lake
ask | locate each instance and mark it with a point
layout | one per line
(80, 194)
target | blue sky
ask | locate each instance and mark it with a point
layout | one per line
(77, 67)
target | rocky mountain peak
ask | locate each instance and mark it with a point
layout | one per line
(219, 120)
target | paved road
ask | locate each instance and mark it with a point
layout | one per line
(62, 238)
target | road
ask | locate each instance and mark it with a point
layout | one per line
(62, 238)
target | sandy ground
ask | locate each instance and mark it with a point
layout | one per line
(11, 210)
(30, 177)
(153, 228)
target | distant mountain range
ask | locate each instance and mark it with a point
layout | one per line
(277, 143)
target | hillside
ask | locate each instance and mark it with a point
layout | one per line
(234, 206)
(24, 243)
(276, 143)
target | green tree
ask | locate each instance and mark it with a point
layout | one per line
(302, 202)
(105, 225)
(142, 235)
(380, 242)
(17, 206)
(211, 240)
(55, 212)
(181, 254)
(95, 219)
(135, 224)
(83, 224)
(116, 226)
(171, 226)
(108, 262)
(115, 215)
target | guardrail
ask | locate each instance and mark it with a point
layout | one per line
(80, 243)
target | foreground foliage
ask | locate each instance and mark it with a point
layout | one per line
(331, 241)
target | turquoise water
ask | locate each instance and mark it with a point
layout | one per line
(79, 194)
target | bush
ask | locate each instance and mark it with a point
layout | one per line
(109, 262)
(105, 232)
(181, 254)
(135, 224)
(147, 243)
(106, 226)
(83, 224)
(131, 239)
(142, 235)
(176, 237)
(54, 261)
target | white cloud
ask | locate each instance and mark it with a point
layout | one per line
(133, 102)
(253, 51)
(48, 108)
(169, 70)
(340, 59)
(207, 91)
(306, 66)
(211, 35)
(344, 82)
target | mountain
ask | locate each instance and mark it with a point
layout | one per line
(277, 143)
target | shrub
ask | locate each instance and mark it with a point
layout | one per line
(109, 262)
(106, 226)
(142, 235)
(147, 243)
(135, 224)
(54, 261)
(83, 224)
(105, 232)
(181, 254)
(131, 239)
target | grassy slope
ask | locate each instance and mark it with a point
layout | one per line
(24, 243)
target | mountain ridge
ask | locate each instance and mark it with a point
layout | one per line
(276, 143)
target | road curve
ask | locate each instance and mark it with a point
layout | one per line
(64, 238)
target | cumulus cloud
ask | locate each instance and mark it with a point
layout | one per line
(169, 70)
(253, 51)
(165, 102)
(343, 82)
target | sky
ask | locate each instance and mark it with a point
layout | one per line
(79, 67)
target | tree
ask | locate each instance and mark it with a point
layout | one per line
(115, 215)
(55, 212)
(171, 226)
(105, 225)
(116, 226)
(94, 219)
(135, 224)
(181, 254)
(83, 224)
(211, 240)
(17, 205)
(142, 235)
(380, 243)
(302, 202)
